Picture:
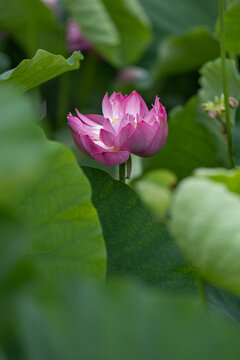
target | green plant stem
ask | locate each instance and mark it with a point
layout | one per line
(224, 82)
(202, 292)
(122, 170)
(63, 99)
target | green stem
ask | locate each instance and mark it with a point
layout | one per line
(202, 292)
(224, 82)
(63, 99)
(122, 169)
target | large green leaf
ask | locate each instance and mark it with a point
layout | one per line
(230, 178)
(50, 195)
(66, 234)
(94, 20)
(119, 29)
(211, 80)
(137, 244)
(189, 145)
(176, 17)
(208, 230)
(211, 86)
(32, 25)
(232, 27)
(41, 68)
(134, 30)
(123, 321)
(173, 53)
(21, 144)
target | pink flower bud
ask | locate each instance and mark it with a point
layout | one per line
(75, 38)
(127, 126)
(213, 114)
(233, 102)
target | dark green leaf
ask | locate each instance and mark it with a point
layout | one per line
(137, 244)
(236, 138)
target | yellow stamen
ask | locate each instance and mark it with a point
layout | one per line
(114, 121)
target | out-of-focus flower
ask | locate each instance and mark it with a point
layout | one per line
(216, 109)
(76, 39)
(53, 5)
(127, 126)
(132, 74)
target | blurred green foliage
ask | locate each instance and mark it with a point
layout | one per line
(67, 234)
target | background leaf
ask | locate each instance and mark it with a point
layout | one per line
(173, 53)
(232, 27)
(120, 30)
(32, 25)
(211, 80)
(175, 18)
(189, 145)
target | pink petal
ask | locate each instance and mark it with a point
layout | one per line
(121, 140)
(112, 158)
(159, 109)
(74, 123)
(158, 140)
(79, 143)
(98, 119)
(90, 146)
(124, 120)
(87, 120)
(134, 104)
(150, 117)
(107, 137)
(107, 107)
(116, 100)
(157, 112)
(142, 138)
(108, 126)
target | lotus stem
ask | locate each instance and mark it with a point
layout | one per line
(224, 82)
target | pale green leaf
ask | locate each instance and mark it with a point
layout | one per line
(43, 184)
(123, 321)
(211, 80)
(205, 219)
(41, 68)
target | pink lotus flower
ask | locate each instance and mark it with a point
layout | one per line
(127, 126)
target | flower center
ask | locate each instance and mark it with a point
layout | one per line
(113, 121)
